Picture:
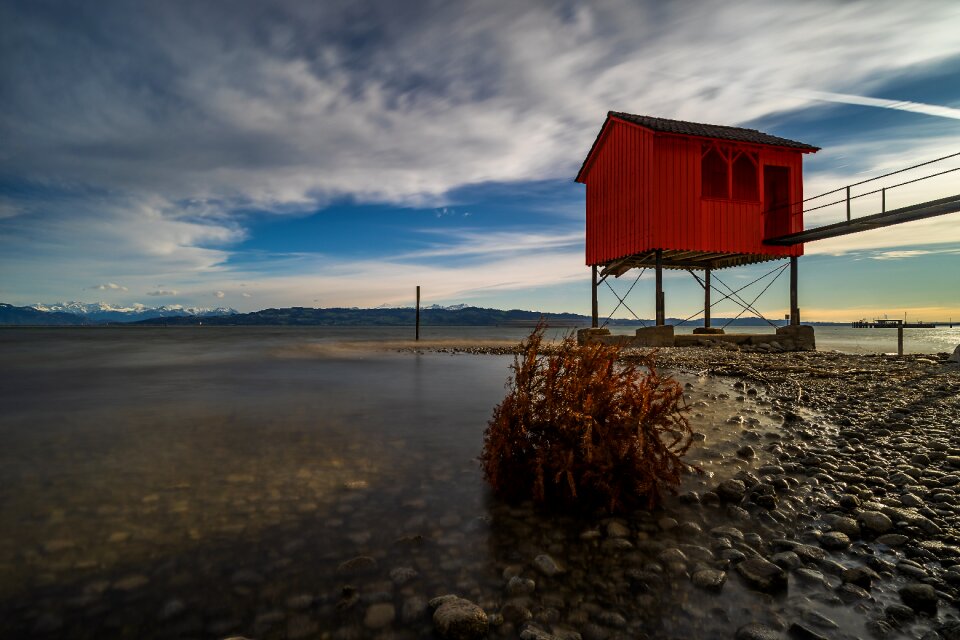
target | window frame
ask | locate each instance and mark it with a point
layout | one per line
(730, 154)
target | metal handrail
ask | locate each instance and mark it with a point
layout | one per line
(883, 191)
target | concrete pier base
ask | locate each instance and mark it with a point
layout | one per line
(714, 331)
(661, 336)
(789, 338)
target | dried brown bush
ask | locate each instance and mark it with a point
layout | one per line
(577, 427)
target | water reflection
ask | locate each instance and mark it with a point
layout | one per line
(189, 484)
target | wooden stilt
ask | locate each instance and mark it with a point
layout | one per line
(706, 297)
(794, 308)
(661, 314)
(594, 313)
(418, 313)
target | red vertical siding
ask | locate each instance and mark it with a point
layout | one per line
(644, 192)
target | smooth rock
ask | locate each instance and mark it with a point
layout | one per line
(875, 521)
(460, 619)
(709, 579)
(547, 565)
(919, 597)
(762, 574)
(757, 631)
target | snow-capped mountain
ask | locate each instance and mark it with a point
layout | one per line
(105, 312)
(452, 307)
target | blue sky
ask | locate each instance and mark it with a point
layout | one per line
(340, 153)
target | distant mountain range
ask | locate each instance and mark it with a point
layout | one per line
(77, 313)
(81, 313)
(100, 312)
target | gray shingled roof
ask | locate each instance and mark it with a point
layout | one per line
(709, 130)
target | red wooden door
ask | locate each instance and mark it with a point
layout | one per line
(776, 201)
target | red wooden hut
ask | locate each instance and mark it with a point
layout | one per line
(683, 195)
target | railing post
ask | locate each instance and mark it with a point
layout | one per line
(848, 204)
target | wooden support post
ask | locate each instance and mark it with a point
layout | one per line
(418, 313)
(661, 314)
(848, 204)
(794, 309)
(900, 339)
(706, 297)
(594, 312)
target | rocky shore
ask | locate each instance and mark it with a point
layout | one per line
(828, 507)
(847, 527)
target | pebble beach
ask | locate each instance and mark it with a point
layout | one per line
(828, 507)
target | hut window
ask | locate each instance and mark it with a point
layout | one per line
(745, 177)
(714, 170)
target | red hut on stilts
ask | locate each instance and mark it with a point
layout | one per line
(669, 194)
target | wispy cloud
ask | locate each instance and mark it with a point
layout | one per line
(219, 294)
(108, 286)
(912, 253)
(162, 292)
(884, 103)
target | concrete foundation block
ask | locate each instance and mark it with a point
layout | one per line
(585, 336)
(654, 336)
(711, 331)
(801, 335)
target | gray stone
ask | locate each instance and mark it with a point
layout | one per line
(875, 521)
(709, 579)
(518, 586)
(919, 597)
(834, 540)
(757, 631)
(892, 539)
(360, 564)
(843, 524)
(731, 490)
(547, 565)
(459, 619)
(860, 576)
(762, 574)
(402, 575)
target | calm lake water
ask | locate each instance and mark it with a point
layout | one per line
(205, 482)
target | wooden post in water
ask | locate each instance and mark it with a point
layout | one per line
(594, 310)
(706, 297)
(418, 313)
(661, 312)
(900, 339)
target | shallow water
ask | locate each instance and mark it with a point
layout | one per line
(207, 482)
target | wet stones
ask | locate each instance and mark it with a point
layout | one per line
(763, 575)
(732, 490)
(874, 521)
(357, 565)
(547, 565)
(710, 579)
(861, 576)
(757, 631)
(747, 452)
(458, 619)
(919, 597)
(834, 541)
(617, 529)
(518, 586)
